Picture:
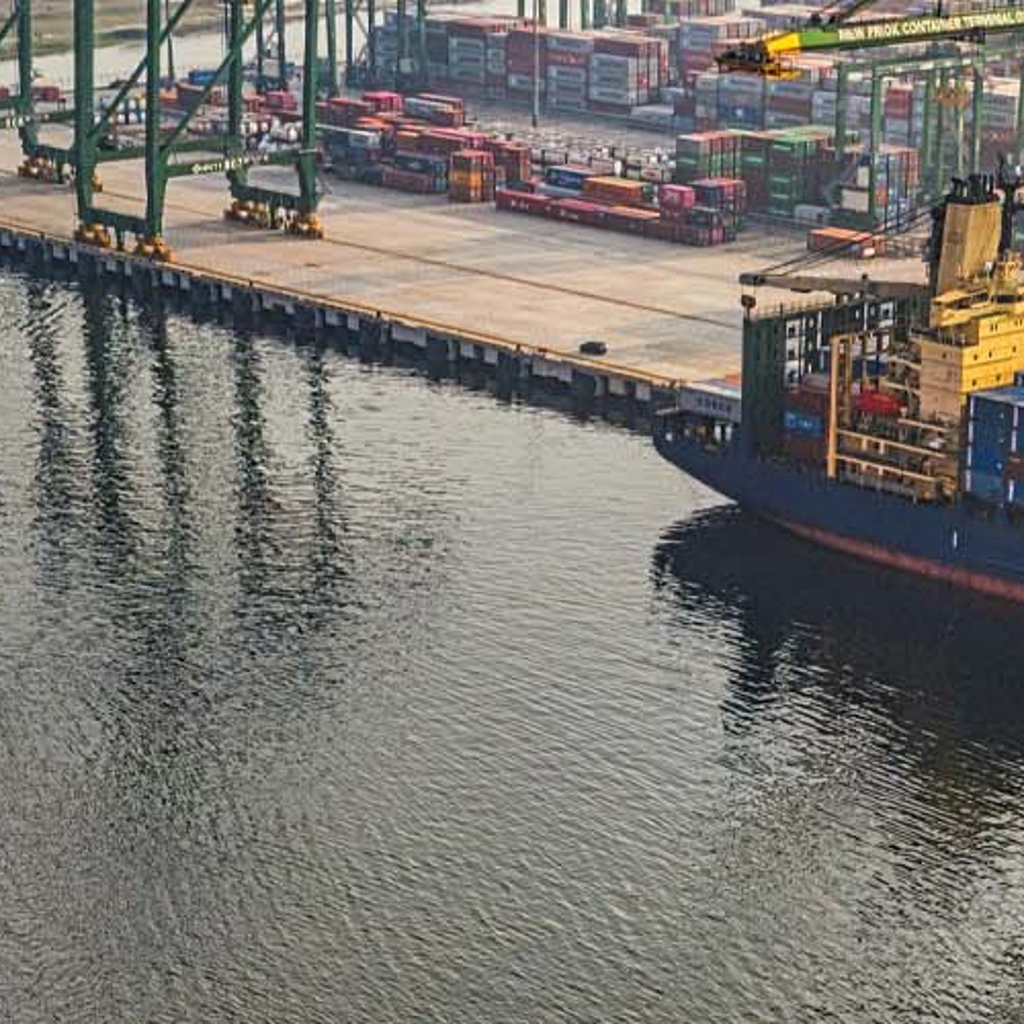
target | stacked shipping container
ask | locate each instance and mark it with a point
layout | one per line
(581, 196)
(994, 458)
(606, 72)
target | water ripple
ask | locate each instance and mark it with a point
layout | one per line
(332, 694)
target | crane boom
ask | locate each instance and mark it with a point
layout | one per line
(766, 56)
(809, 283)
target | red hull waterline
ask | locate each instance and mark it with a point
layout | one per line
(980, 582)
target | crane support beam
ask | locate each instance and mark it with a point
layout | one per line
(9, 25)
(156, 182)
(280, 27)
(85, 144)
(766, 56)
(331, 22)
(103, 122)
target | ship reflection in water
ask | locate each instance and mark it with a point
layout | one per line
(873, 743)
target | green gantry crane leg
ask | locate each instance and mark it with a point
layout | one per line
(331, 21)
(260, 47)
(156, 176)
(842, 89)
(371, 39)
(422, 71)
(235, 141)
(27, 132)
(877, 82)
(977, 102)
(280, 27)
(563, 14)
(620, 13)
(308, 197)
(585, 19)
(403, 42)
(940, 131)
(958, 140)
(85, 143)
(350, 42)
(927, 134)
(1020, 118)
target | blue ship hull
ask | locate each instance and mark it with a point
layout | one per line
(978, 549)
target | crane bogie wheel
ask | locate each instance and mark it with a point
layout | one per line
(306, 226)
(37, 168)
(155, 248)
(95, 235)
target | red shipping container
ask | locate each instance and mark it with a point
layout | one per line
(675, 200)
(808, 399)
(578, 211)
(279, 99)
(384, 102)
(802, 448)
(878, 403)
(46, 93)
(521, 202)
(567, 59)
(433, 97)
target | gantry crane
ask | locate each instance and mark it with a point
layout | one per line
(767, 56)
(837, 29)
(168, 151)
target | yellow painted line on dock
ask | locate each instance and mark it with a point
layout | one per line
(346, 305)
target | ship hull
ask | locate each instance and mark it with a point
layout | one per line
(984, 553)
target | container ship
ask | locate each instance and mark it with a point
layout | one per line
(886, 424)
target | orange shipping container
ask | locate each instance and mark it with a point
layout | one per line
(616, 190)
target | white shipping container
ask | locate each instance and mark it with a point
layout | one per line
(625, 98)
(854, 199)
(570, 42)
(808, 214)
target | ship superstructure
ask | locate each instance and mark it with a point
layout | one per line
(883, 421)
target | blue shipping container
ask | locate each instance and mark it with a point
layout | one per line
(567, 177)
(421, 164)
(804, 423)
(985, 460)
(992, 414)
(989, 435)
(987, 486)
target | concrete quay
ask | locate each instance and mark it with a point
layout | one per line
(458, 282)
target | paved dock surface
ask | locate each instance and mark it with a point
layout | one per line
(665, 310)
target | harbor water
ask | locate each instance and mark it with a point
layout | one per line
(329, 692)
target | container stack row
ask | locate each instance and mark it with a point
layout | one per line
(705, 213)
(377, 140)
(796, 174)
(608, 72)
